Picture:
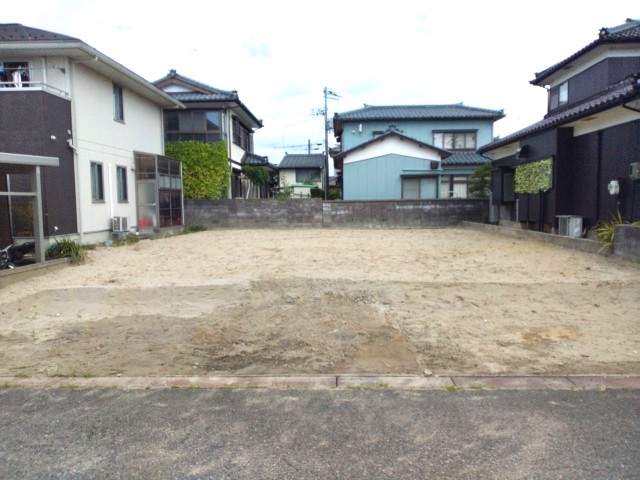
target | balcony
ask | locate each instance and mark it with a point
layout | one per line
(27, 78)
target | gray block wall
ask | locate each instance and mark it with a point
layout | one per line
(316, 213)
(627, 242)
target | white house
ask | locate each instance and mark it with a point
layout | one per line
(60, 97)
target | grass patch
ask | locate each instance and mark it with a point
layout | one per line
(452, 388)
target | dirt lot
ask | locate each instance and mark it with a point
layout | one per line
(452, 301)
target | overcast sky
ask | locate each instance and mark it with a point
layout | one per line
(280, 55)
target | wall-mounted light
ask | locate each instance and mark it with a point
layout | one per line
(614, 187)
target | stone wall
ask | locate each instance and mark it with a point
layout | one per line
(316, 213)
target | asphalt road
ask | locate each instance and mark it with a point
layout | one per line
(299, 434)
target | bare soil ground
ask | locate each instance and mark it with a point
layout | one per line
(453, 301)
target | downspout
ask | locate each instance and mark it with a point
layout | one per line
(73, 142)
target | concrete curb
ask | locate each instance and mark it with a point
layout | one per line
(337, 382)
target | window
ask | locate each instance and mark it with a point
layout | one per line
(199, 125)
(463, 140)
(241, 135)
(454, 186)
(307, 175)
(118, 105)
(97, 189)
(558, 96)
(419, 188)
(121, 176)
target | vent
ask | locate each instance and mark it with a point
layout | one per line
(570, 226)
(119, 224)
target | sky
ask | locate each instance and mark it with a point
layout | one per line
(280, 55)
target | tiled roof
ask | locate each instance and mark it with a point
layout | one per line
(15, 32)
(302, 161)
(464, 158)
(625, 33)
(254, 160)
(614, 96)
(203, 97)
(418, 112)
(208, 88)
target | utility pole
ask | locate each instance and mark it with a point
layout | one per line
(327, 94)
(326, 148)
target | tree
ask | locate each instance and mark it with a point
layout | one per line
(481, 185)
(205, 168)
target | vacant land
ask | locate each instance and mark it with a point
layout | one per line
(452, 301)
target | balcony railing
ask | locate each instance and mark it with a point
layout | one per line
(30, 85)
(31, 79)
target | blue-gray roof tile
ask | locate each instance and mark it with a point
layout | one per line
(302, 161)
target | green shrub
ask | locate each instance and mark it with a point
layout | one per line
(534, 177)
(257, 175)
(480, 187)
(205, 168)
(285, 192)
(317, 192)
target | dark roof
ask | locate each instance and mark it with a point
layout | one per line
(203, 97)
(625, 33)
(302, 161)
(464, 158)
(616, 95)
(253, 160)
(201, 92)
(15, 32)
(443, 153)
(418, 112)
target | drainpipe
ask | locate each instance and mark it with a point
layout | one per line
(73, 142)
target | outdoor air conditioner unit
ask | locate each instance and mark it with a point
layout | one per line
(634, 171)
(570, 226)
(119, 224)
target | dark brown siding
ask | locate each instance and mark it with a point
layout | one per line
(600, 76)
(27, 122)
(578, 180)
(619, 148)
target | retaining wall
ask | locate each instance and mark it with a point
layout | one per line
(627, 242)
(316, 213)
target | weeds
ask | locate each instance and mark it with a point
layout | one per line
(606, 231)
(192, 229)
(67, 248)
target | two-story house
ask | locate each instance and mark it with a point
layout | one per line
(213, 115)
(410, 152)
(61, 98)
(589, 138)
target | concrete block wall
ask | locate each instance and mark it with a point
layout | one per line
(627, 242)
(254, 213)
(392, 214)
(315, 213)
